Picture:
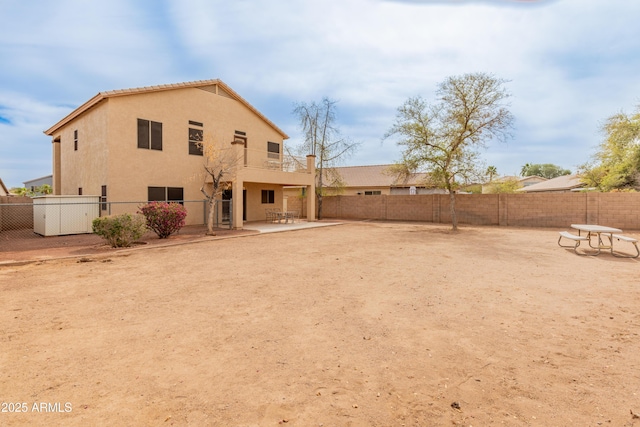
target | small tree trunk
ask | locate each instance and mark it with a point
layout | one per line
(212, 205)
(452, 206)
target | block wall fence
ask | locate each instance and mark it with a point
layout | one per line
(621, 210)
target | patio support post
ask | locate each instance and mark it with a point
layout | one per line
(56, 187)
(236, 203)
(237, 208)
(311, 189)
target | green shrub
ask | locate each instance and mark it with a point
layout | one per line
(120, 230)
(164, 218)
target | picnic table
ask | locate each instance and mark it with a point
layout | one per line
(598, 231)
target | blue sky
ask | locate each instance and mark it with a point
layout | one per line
(570, 63)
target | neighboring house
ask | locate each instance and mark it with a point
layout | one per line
(522, 181)
(375, 180)
(531, 180)
(3, 189)
(561, 184)
(32, 184)
(143, 144)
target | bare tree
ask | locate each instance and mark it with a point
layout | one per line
(444, 137)
(220, 163)
(322, 139)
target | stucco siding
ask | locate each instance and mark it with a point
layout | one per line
(255, 208)
(85, 167)
(108, 153)
(174, 166)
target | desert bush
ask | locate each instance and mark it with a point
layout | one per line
(120, 230)
(164, 218)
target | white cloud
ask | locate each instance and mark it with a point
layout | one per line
(571, 63)
(470, 2)
(25, 152)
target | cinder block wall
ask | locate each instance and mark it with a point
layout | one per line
(369, 207)
(617, 208)
(620, 210)
(546, 210)
(295, 203)
(408, 208)
(477, 209)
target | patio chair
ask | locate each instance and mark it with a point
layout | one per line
(269, 214)
(273, 214)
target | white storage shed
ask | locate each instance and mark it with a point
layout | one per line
(61, 215)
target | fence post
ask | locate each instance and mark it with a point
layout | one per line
(503, 212)
(436, 208)
(592, 207)
(384, 199)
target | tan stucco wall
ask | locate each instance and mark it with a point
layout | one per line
(111, 157)
(85, 168)
(255, 208)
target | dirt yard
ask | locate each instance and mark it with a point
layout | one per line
(361, 324)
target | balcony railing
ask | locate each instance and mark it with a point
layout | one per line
(262, 159)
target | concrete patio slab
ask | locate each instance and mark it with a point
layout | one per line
(274, 227)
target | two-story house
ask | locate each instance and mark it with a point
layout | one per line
(145, 144)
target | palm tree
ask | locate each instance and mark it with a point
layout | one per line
(525, 169)
(22, 191)
(492, 171)
(44, 189)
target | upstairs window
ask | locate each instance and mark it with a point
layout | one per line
(75, 140)
(273, 150)
(149, 134)
(195, 138)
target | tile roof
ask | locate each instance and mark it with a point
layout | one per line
(376, 176)
(3, 188)
(158, 88)
(561, 183)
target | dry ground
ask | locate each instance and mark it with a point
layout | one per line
(25, 245)
(364, 324)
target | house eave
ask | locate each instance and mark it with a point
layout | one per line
(125, 92)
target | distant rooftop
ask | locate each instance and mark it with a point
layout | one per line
(377, 176)
(561, 183)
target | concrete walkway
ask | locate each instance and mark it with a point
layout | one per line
(269, 227)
